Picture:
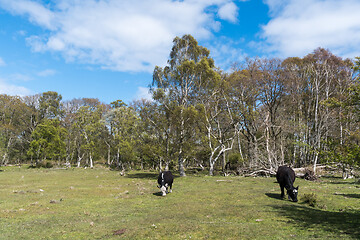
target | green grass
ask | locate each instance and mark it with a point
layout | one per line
(97, 202)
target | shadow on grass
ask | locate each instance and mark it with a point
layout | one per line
(159, 194)
(274, 195)
(339, 180)
(344, 182)
(147, 175)
(143, 175)
(349, 195)
(331, 177)
(335, 222)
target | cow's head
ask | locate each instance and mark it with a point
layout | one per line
(292, 193)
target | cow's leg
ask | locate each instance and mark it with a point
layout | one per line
(167, 187)
(170, 188)
(163, 190)
(282, 190)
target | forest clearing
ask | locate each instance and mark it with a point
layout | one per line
(98, 203)
(183, 119)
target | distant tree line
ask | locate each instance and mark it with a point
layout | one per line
(263, 114)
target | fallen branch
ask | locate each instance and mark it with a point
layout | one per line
(261, 172)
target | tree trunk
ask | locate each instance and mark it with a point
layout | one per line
(80, 157)
(4, 159)
(315, 162)
(181, 164)
(109, 153)
(239, 144)
(211, 169)
(166, 165)
(182, 135)
(224, 162)
(118, 158)
(91, 161)
(78, 162)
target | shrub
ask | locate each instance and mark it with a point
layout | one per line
(310, 198)
(49, 165)
(46, 164)
(235, 161)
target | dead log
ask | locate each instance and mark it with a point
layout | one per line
(261, 172)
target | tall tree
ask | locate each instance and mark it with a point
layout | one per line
(50, 105)
(272, 90)
(158, 132)
(14, 119)
(177, 84)
(245, 96)
(89, 127)
(217, 118)
(123, 123)
(48, 141)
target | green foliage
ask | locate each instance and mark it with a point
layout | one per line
(48, 141)
(346, 153)
(298, 110)
(124, 125)
(117, 104)
(50, 105)
(310, 198)
(354, 100)
(15, 117)
(46, 164)
(177, 87)
(235, 159)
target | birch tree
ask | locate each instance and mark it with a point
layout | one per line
(124, 130)
(245, 95)
(271, 93)
(218, 120)
(159, 130)
(176, 85)
(14, 119)
(90, 127)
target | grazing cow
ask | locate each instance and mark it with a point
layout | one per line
(286, 177)
(165, 180)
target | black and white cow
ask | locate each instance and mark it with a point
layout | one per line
(286, 177)
(165, 180)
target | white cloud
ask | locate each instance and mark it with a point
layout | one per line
(13, 90)
(37, 13)
(46, 73)
(2, 62)
(20, 77)
(229, 12)
(143, 93)
(121, 35)
(275, 6)
(299, 27)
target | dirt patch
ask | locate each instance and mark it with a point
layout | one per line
(119, 232)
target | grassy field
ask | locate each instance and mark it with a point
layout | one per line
(101, 204)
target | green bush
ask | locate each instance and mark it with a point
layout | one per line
(46, 164)
(49, 165)
(235, 160)
(310, 198)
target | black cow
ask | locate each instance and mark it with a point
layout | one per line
(286, 177)
(165, 180)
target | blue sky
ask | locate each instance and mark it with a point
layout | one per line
(107, 49)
